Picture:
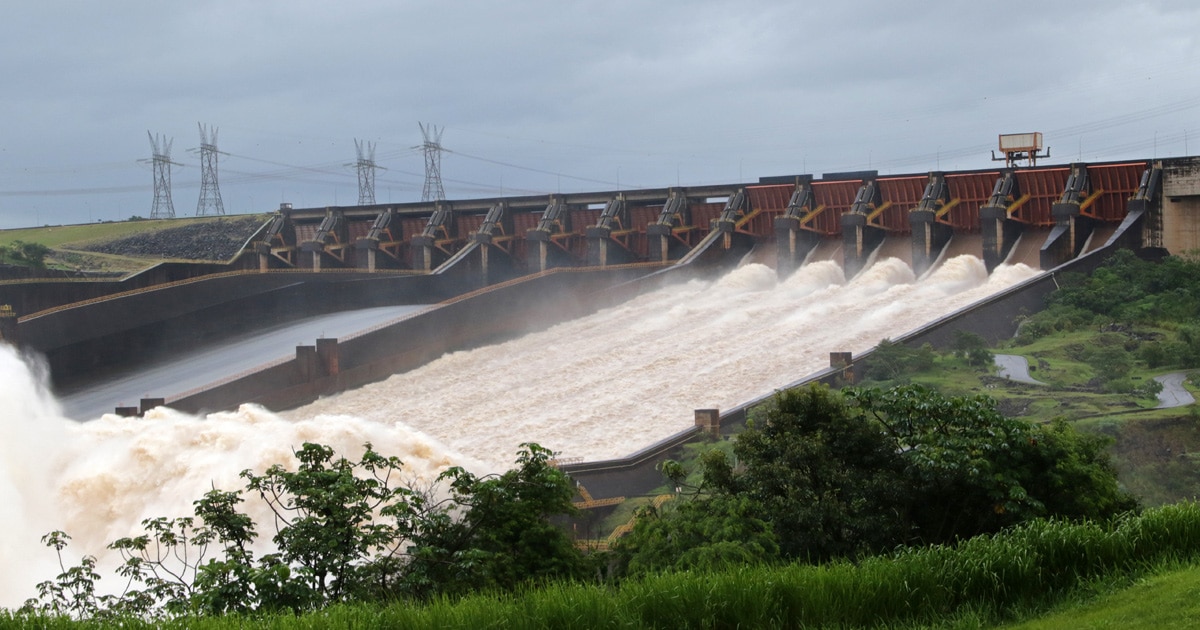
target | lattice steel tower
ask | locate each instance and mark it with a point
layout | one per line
(210, 193)
(432, 147)
(366, 171)
(163, 208)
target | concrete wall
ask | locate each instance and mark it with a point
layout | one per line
(31, 296)
(128, 329)
(510, 309)
(1181, 224)
(1181, 205)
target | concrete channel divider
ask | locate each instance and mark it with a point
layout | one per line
(332, 365)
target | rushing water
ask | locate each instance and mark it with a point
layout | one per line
(606, 385)
(596, 387)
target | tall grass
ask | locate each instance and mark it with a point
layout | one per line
(1026, 568)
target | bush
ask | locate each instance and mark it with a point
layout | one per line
(891, 360)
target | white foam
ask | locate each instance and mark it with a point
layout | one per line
(98, 480)
(606, 385)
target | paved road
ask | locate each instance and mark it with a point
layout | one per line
(1173, 393)
(1015, 368)
(205, 365)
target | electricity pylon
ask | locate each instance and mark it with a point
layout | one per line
(161, 160)
(210, 192)
(366, 171)
(432, 147)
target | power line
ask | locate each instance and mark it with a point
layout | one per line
(531, 169)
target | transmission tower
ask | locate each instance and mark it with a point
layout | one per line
(210, 192)
(366, 171)
(163, 208)
(432, 147)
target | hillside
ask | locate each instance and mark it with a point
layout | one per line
(126, 246)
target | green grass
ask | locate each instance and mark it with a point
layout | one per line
(984, 581)
(67, 235)
(1166, 600)
(66, 239)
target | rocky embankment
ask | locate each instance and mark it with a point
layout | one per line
(217, 240)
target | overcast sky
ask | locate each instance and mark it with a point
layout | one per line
(539, 97)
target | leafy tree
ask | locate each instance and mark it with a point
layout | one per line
(1126, 288)
(73, 591)
(972, 347)
(827, 481)
(1110, 362)
(31, 254)
(891, 360)
(864, 471)
(344, 531)
(502, 537)
(704, 533)
(331, 521)
(971, 470)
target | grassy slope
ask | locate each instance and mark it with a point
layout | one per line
(1155, 450)
(68, 235)
(65, 239)
(1167, 600)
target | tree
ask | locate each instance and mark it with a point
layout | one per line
(503, 537)
(972, 347)
(821, 481)
(32, 254)
(827, 480)
(344, 531)
(842, 475)
(332, 521)
(700, 529)
(704, 533)
(891, 360)
(971, 470)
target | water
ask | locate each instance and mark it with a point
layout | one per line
(596, 387)
(607, 385)
(97, 480)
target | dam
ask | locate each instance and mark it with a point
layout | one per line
(598, 344)
(531, 262)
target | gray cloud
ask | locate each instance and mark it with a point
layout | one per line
(544, 96)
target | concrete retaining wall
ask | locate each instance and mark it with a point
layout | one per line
(127, 329)
(34, 295)
(510, 309)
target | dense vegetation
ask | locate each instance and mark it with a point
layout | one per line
(831, 475)
(1149, 311)
(984, 580)
(21, 253)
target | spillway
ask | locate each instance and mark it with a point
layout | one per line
(196, 368)
(595, 387)
(607, 385)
